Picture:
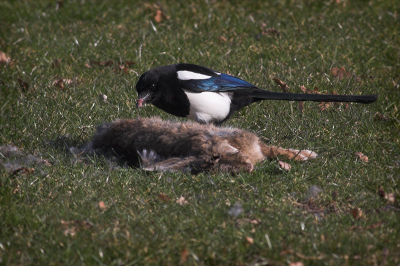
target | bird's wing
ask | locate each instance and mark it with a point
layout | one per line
(217, 83)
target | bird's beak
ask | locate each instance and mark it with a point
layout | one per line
(141, 100)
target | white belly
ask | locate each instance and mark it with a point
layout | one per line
(207, 107)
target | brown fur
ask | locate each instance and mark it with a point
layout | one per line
(160, 145)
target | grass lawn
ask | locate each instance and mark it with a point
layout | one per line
(57, 57)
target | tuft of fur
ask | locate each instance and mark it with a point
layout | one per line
(154, 144)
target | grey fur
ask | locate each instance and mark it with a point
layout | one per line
(154, 144)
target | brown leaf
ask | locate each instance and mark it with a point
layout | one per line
(121, 69)
(284, 87)
(69, 81)
(88, 66)
(243, 221)
(222, 38)
(182, 201)
(381, 192)
(285, 166)
(102, 63)
(163, 197)
(249, 240)
(271, 31)
(102, 206)
(58, 83)
(268, 32)
(334, 71)
(298, 263)
(129, 63)
(390, 197)
(362, 157)
(340, 73)
(301, 107)
(159, 16)
(357, 213)
(4, 59)
(24, 86)
(324, 106)
(380, 116)
(184, 255)
(72, 227)
(305, 90)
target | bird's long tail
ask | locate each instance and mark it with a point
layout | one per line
(268, 95)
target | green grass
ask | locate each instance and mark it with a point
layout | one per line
(52, 215)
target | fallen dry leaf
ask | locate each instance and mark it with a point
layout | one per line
(102, 63)
(249, 240)
(4, 59)
(159, 16)
(298, 263)
(222, 38)
(301, 107)
(340, 73)
(102, 206)
(362, 157)
(59, 84)
(284, 166)
(305, 90)
(324, 106)
(284, 87)
(380, 116)
(268, 32)
(129, 63)
(390, 197)
(244, 221)
(381, 192)
(121, 69)
(357, 213)
(184, 255)
(163, 197)
(72, 227)
(182, 201)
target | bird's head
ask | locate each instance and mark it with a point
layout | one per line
(146, 88)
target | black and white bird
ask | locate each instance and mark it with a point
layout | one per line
(208, 96)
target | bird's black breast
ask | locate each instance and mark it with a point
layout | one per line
(173, 99)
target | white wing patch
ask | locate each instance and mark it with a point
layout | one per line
(209, 106)
(187, 75)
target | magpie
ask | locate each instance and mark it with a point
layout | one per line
(208, 96)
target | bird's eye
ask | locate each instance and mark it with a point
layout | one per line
(153, 85)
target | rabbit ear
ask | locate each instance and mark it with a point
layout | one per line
(226, 148)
